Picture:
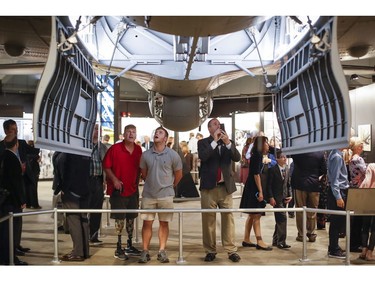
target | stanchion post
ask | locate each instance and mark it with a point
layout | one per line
(136, 239)
(180, 259)
(55, 240)
(107, 207)
(347, 254)
(11, 240)
(304, 238)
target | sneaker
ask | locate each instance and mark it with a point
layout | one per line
(162, 256)
(96, 242)
(132, 251)
(338, 254)
(145, 257)
(120, 254)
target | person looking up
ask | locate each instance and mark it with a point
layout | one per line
(121, 166)
(217, 153)
(161, 169)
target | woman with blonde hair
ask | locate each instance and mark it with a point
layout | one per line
(357, 166)
(357, 170)
(368, 222)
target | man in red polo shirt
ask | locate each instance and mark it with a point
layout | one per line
(121, 164)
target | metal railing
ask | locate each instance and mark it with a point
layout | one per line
(180, 212)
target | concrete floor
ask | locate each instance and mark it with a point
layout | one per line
(38, 235)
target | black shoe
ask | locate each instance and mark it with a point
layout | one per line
(132, 251)
(268, 248)
(19, 252)
(356, 249)
(246, 244)
(120, 254)
(283, 246)
(19, 262)
(234, 257)
(96, 242)
(210, 257)
(23, 249)
(337, 254)
(291, 216)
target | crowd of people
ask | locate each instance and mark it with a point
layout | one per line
(17, 159)
(315, 180)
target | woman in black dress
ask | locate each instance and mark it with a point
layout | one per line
(252, 196)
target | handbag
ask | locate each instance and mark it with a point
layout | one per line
(261, 204)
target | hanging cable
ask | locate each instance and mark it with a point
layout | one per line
(268, 84)
(122, 27)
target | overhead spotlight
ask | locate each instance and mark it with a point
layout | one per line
(358, 51)
(14, 50)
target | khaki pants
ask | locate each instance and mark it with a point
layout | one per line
(213, 199)
(310, 200)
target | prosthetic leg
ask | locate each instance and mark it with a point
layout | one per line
(120, 252)
(130, 249)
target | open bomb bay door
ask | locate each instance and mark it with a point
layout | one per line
(312, 103)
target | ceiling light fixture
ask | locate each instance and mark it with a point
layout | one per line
(14, 50)
(358, 51)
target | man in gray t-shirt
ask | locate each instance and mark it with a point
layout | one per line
(161, 169)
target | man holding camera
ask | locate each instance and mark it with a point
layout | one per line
(217, 184)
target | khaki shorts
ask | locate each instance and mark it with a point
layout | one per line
(159, 203)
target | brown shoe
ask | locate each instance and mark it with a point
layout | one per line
(312, 237)
(299, 238)
(70, 257)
